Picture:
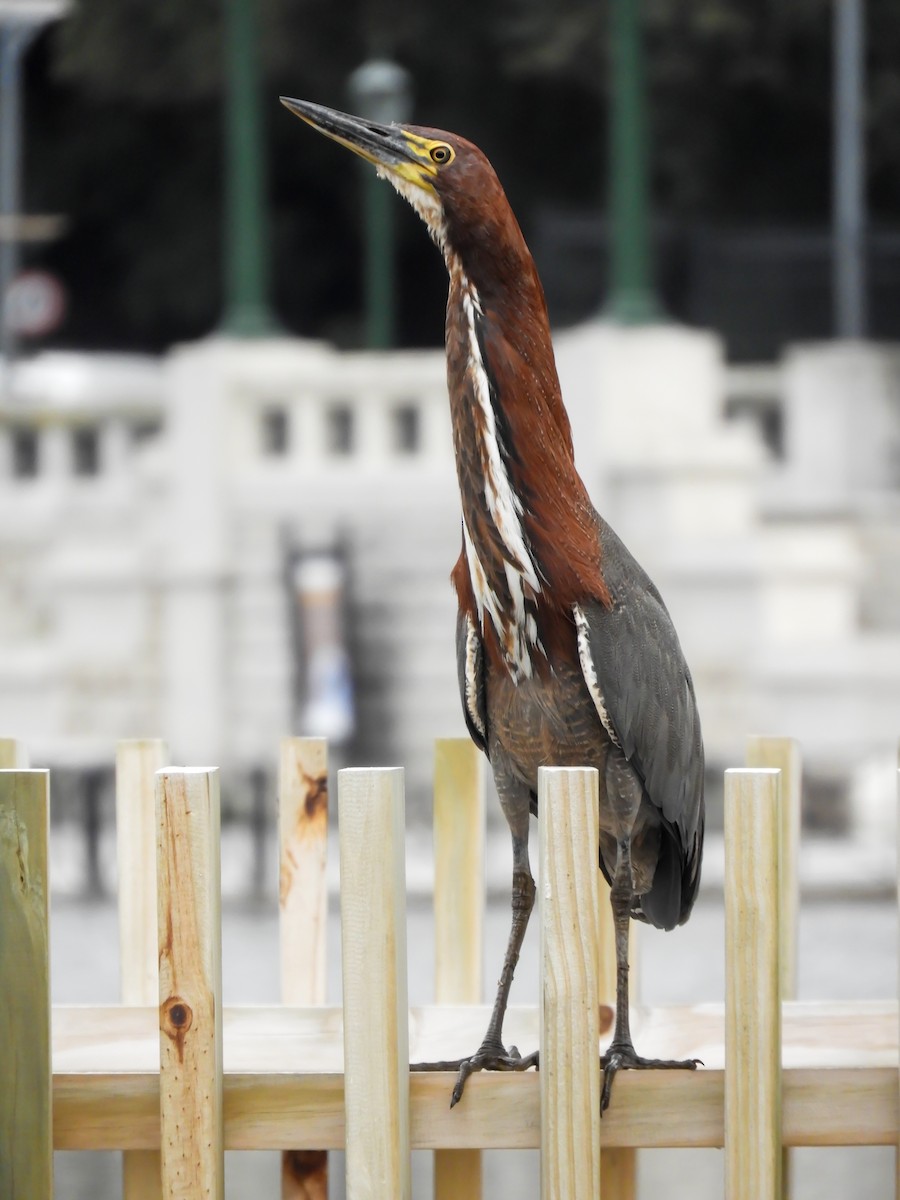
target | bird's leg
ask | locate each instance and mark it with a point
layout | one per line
(491, 1055)
(621, 1054)
(523, 892)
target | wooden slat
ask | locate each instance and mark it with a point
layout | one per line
(190, 983)
(823, 1036)
(458, 871)
(618, 1173)
(284, 1086)
(458, 918)
(13, 754)
(303, 896)
(269, 1111)
(136, 765)
(137, 762)
(783, 754)
(373, 937)
(753, 1137)
(568, 808)
(303, 916)
(26, 1138)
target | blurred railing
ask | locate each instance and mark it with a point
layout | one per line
(173, 1079)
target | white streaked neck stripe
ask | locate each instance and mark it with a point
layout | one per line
(503, 503)
(516, 627)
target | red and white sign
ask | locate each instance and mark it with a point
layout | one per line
(35, 304)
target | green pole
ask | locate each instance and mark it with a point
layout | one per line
(380, 90)
(247, 312)
(380, 277)
(632, 299)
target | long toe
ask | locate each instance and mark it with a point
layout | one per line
(624, 1058)
(489, 1059)
(489, 1056)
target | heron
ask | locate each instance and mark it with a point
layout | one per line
(566, 652)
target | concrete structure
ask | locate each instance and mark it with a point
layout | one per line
(150, 511)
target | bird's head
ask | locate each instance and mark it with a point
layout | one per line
(447, 180)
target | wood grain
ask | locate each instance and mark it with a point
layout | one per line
(137, 762)
(568, 808)
(373, 936)
(458, 871)
(284, 1084)
(190, 983)
(26, 1138)
(753, 1133)
(783, 754)
(458, 918)
(303, 916)
(303, 843)
(136, 765)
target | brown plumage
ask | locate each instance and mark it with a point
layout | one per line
(566, 653)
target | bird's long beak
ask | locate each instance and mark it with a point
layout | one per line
(391, 148)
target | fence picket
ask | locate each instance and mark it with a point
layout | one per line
(458, 918)
(303, 916)
(137, 762)
(784, 754)
(13, 754)
(568, 807)
(190, 983)
(753, 1132)
(285, 1086)
(376, 1013)
(26, 1138)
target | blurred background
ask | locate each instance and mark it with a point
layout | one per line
(228, 504)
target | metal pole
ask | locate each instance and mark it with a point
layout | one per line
(632, 299)
(849, 218)
(247, 312)
(381, 91)
(380, 282)
(258, 829)
(15, 38)
(93, 783)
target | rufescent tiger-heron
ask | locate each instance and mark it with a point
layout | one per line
(566, 653)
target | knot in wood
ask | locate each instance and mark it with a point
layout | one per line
(305, 1167)
(316, 801)
(177, 1017)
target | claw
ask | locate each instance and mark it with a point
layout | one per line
(488, 1057)
(624, 1058)
(490, 1060)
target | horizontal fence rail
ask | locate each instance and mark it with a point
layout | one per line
(284, 1082)
(173, 1078)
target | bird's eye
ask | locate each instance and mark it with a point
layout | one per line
(441, 154)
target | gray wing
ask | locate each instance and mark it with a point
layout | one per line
(648, 705)
(470, 672)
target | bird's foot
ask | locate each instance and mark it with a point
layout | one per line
(490, 1056)
(621, 1056)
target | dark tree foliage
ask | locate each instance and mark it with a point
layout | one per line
(124, 136)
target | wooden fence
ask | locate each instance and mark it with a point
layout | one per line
(173, 1079)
